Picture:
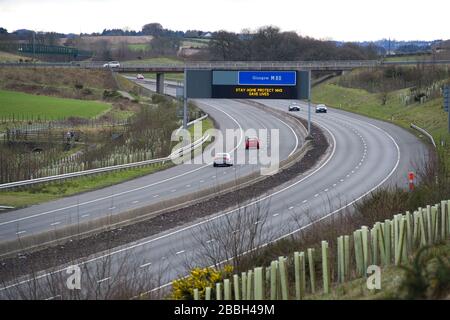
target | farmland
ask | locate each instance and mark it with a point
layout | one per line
(23, 105)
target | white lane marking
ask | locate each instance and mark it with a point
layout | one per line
(314, 222)
(316, 195)
(213, 177)
(156, 196)
(135, 201)
(305, 201)
(326, 190)
(180, 252)
(257, 222)
(20, 232)
(55, 223)
(54, 297)
(135, 189)
(201, 181)
(334, 184)
(290, 208)
(174, 190)
(342, 180)
(295, 135)
(145, 265)
(194, 225)
(85, 215)
(275, 215)
(103, 280)
(188, 186)
(112, 208)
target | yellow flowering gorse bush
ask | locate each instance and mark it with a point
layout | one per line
(200, 278)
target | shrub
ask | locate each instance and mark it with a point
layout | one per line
(183, 289)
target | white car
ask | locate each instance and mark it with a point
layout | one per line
(112, 64)
(140, 77)
(294, 107)
(321, 108)
(222, 160)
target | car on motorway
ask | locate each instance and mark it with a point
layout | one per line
(251, 143)
(140, 77)
(112, 64)
(321, 108)
(294, 107)
(222, 160)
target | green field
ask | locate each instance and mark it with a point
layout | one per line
(10, 57)
(413, 57)
(160, 60)
(138, 47)
(31, 106)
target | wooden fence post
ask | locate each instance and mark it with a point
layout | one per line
(312, 272)
(325, 268)
(302, 274)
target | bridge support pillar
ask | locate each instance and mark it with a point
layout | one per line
(160, 83)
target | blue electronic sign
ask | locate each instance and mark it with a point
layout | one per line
(269, 78)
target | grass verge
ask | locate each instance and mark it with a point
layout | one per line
(55, 190)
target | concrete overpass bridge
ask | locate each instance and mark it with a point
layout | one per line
(161, 69)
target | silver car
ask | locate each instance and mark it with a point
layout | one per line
(222, 160)
(112, 64)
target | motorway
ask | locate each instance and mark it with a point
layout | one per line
(158, 187)
(364, 155)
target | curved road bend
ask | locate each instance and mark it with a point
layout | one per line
(365, 155)
(160, 186)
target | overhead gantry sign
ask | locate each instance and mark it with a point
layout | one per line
(227, 84)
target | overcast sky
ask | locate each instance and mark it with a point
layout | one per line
(349, 20)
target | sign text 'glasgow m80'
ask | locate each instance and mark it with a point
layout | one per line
(227, 84)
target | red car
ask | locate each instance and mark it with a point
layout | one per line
(252, 142)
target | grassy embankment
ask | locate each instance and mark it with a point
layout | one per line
(429, 115)
(10, 57)
(50, 107)
(24, 105)
(56, 190)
